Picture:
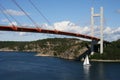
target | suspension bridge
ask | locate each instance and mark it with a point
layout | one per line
(37, 29)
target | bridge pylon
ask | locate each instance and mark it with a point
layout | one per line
(101, 29)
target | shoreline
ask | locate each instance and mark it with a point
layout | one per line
(99, 60)
(44, 55)
(93, 60)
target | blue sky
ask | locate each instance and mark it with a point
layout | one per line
(60, 13)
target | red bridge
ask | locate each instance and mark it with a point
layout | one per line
(40, 30)
(36, 29)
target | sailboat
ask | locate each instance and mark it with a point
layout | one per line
(86, 61)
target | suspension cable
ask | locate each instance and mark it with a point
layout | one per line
(25, 13)
(40, 12)
(9, 14)
(1, 9)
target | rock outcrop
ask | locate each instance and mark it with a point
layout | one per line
(67, 48)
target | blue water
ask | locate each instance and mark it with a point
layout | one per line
(26, 66)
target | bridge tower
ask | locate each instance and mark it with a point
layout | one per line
(101, 29)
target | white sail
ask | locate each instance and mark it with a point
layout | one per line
(86, 61)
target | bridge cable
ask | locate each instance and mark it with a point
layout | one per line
(9, 14)
(1, 9)
(25, 13)
(40, 12)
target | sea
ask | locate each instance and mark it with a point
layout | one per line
(27, 66)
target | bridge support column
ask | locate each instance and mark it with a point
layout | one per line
(93, 43)
(101, 30)
(92, 47)
(101, 27)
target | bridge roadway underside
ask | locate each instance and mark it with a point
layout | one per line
(39, 30)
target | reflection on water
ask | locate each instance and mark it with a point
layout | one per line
(86, 72)
(101, 71)
(95, 72)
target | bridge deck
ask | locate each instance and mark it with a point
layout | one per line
(39, 30)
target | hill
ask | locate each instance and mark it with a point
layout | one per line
(111, 52)
(67, 48)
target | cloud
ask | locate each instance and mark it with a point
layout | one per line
(62, 26)
(46, 26)
(118, 11)
(13, 23)
(70, 27)
(114, 34)
(22, 33)
(5, 20)
(110, 34)
(14, 12)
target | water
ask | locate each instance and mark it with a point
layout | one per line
(26, 66)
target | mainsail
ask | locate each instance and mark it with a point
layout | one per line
(86, 61)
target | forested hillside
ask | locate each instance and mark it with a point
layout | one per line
(111, 52)
(68, 48)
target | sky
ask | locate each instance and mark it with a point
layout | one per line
(63, 15)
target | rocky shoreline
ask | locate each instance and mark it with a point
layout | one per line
(92, 60)
(42, 55)
(65, 48)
